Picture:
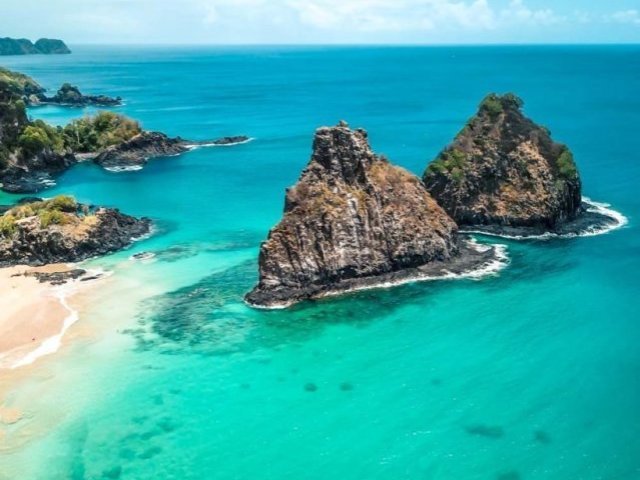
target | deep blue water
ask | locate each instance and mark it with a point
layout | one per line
(531, 374)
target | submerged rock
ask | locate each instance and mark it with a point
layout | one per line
(60, 230)
(139, 149)
(504, 174)
(354, 220)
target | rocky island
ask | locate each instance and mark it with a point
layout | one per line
(33, 153)
(61, 230)
(504, 175)
(71, 96)
(23, 46)
(353, 220)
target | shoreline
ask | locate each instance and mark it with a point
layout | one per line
(598, 219)
(476, 261)
(36, 315)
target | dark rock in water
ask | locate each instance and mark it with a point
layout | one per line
(113, 472)
(142, 147)
(511, 475)
(311, 387)
(56, 278)
(541, 436)
(485, 431)
(231, 140)
(504, 171)
(71, 96)
(354, 220)
(61, 230)
(346, 386)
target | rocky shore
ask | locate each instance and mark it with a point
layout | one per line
(61, 230)
(352, 221)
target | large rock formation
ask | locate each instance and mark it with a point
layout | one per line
(23, 46)
(504, 174)
(61, 230)
(354, 220)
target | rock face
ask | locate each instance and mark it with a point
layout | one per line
(71, 96)
(23, 46)
(142, 147)
(20, 173)
(504, 173)
(352, 220)
(57, 231)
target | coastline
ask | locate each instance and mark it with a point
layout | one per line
(35, 315)
(598, 219)
(476, 261)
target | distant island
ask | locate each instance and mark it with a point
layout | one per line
(23, 46)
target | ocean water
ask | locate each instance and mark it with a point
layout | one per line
(533, 373)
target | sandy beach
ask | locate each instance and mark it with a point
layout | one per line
(32, 313)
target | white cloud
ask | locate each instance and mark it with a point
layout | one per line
(393, 15)
(626, 16)
(518, 12)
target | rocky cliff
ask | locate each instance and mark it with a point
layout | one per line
(353, 220)
(61, 230)
(504, 173)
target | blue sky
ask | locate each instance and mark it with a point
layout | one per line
(324, 21)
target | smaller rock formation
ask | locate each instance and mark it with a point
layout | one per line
(61, 230)
(23, 46)
(228, 141)
(353, 220)
(138, 150)
(503, 174)
(70, 95)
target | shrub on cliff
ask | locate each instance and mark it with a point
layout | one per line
(40, 136)
(92, 134)
(566, 165)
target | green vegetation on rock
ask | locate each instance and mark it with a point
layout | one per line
(450, 162)
(566, 165)
(92, 134)
(49, 212)
(18, 83)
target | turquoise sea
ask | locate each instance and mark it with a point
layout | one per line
(533, 373)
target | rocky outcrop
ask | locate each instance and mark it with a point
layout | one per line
(504, 174)
(23, 46)
(142, 147)
(60, 230)
(354, 220)
(70, 95)
(135, 153)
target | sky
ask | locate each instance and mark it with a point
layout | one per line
(428, 22)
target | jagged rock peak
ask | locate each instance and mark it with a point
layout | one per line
(503, 170)
(351, 220)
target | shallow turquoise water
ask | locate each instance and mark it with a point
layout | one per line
(533, 374)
